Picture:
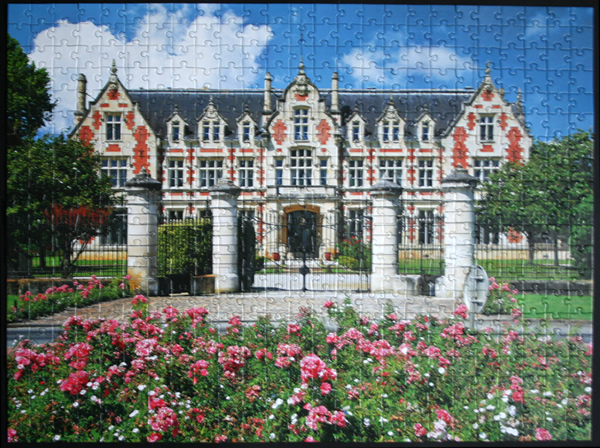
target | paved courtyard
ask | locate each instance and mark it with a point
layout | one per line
(283, 306)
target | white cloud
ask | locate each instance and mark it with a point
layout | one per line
(167, 50)
(400, 66)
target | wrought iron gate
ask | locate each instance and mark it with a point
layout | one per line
(302, 249)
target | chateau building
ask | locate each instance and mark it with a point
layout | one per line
(304, 147)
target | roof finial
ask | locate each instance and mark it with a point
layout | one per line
(488, 70)
(301, 66)
(113, 69)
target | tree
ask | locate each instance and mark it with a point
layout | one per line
(542, 197)
(28, 100)
(56, 199)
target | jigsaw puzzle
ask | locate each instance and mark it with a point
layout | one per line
(284, 223)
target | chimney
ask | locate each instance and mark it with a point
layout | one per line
(335, 106)
(81, 95)
(267, 109)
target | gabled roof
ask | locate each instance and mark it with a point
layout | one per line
(443, 106)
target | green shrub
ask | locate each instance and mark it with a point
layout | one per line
(185, 248)
(355, 248)
(349, 262)
(581, 238)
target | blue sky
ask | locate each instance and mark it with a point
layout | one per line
(547, 52)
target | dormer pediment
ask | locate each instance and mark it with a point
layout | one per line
(390, 113)
(211, 112)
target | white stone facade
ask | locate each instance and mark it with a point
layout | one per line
(304, 147)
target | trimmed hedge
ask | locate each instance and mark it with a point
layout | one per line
(185, 248)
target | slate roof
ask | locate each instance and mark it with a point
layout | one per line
(158, 105)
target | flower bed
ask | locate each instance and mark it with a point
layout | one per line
(171, 376)
(59, 298)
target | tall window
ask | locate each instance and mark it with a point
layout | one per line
(113, 126)
(356, 131)
(426, 173)
(425, 131)
(175, 173)
(246, 172)
(211, 130)
(246, 132)
(391, 169)
(355, 173)
(278, 171)
(175, 131)
(116, 169)
(355, 223)
(323, 171)
(426, 226)
(210, 172)
(486, 128)
(485, 167)
(301, 167)
(301, 124)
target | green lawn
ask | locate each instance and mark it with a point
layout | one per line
(10, 301)
(540, 306)
(510, 270)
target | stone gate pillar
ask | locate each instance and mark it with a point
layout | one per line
(143, 195)
(223, 197)
(384, 264)
(459, 231)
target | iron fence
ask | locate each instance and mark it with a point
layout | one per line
(36, 249)
(421, 243)
(512, 255)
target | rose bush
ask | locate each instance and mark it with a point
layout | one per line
(170, 376)
(59, 298)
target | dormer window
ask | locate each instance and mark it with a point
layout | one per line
(356, 132)
(301, 124)
(176, 131)
(211, 131)
(425, 131)
(390, 131)
(246, 131)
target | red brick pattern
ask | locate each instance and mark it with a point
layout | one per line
(487, 95)
(460, 152)
(323, 131)
(503, 119)
(515, 151)
(97, 117)
(279, 134)
(514, 236)
(130, 117)
(113, 94)
(86, 135)
(141, 157)
(472, 121)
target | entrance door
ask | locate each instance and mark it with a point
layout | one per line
(302, 233)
